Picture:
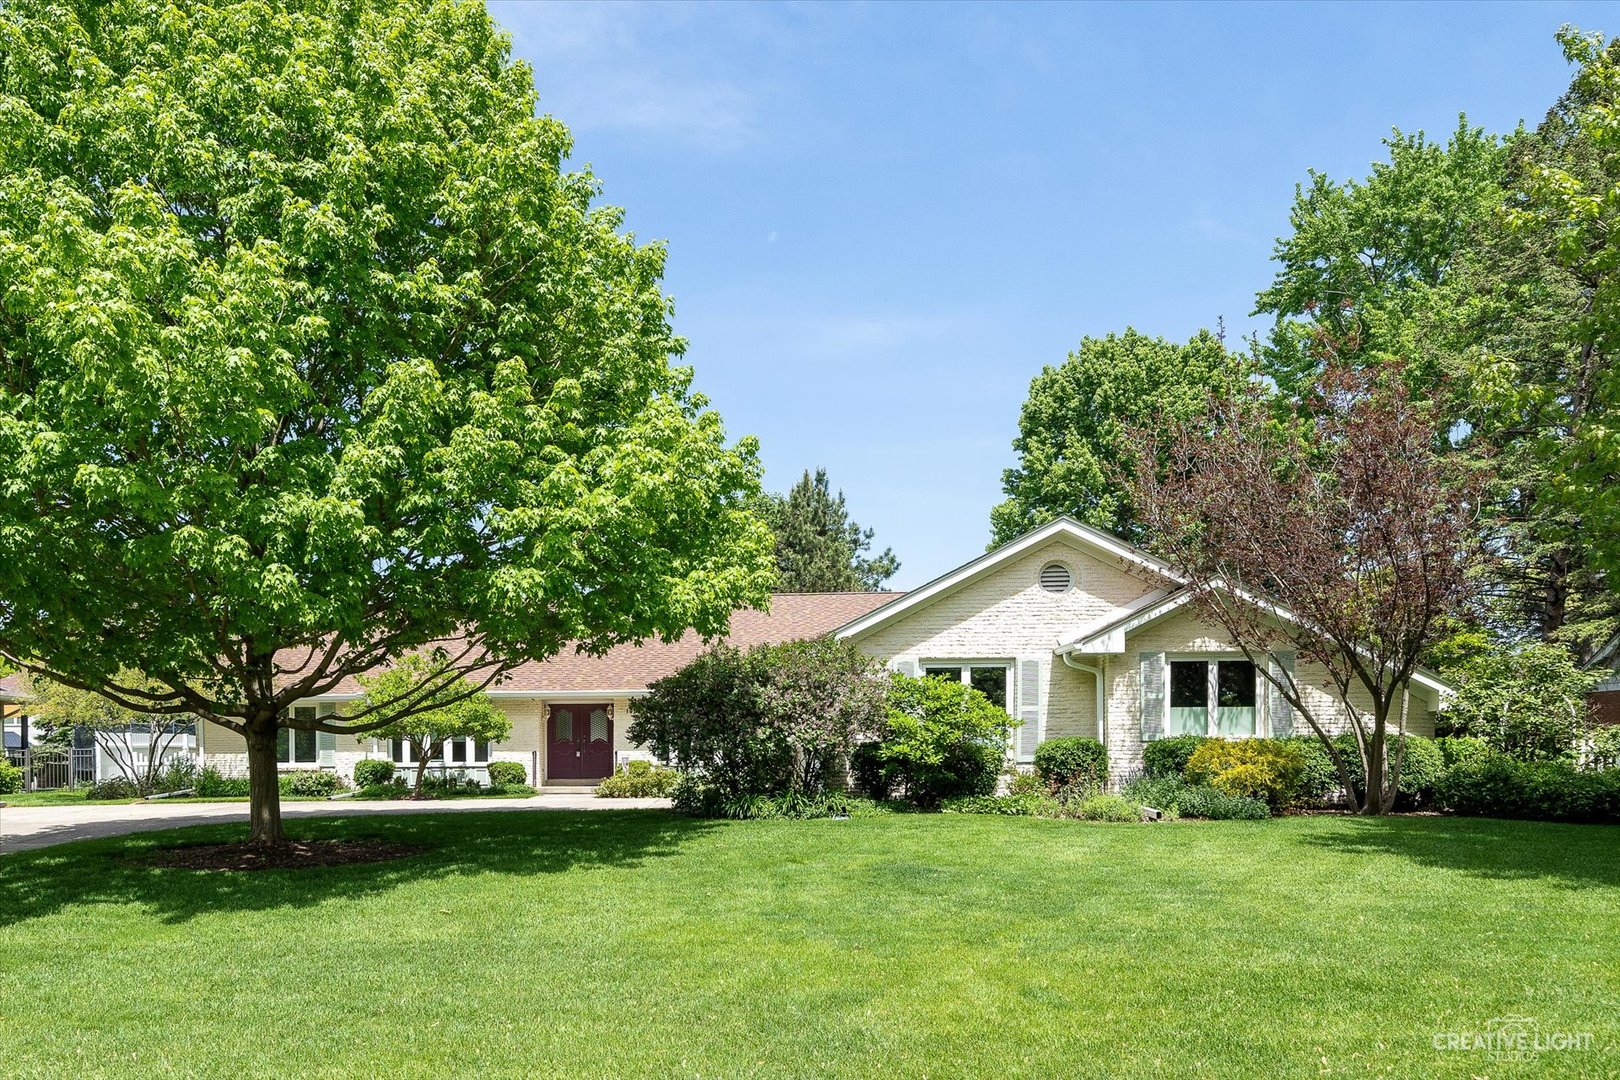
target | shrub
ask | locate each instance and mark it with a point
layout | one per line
(1420, 768)
(639, 780)
(11, 778)
(1269, 769)
(444, 785)
(393, 789)
(1022, 804)
(1320, 777)
(115, 787)
(212, 784)
(311, 783)
(791, 804)
(372, 772)
(1025, 783)
(1104, 807)
(944, 741)
(1074, 763)
(504, 774)
(1604, 752)
(1168, 757)
(1497, 785)
(697, 798)
(1176, 797)
(1528, 702)
(1455, 749)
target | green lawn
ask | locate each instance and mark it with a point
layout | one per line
(625, 943)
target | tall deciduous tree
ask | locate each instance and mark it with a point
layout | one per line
(818, 547)
(459, 710)
(1071, 433)
(1346, 517)
(313, 354)
(1363, 256)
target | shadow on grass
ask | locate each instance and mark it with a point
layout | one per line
(114, 871)
(1574, 855)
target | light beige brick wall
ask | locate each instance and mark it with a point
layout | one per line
(1006, 616)
(1182, 632)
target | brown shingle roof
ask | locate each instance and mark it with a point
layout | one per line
(632, 667)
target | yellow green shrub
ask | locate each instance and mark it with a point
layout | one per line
(1268, 769)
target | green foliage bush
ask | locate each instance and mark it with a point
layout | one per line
(1107, 807)
(447, 785)
(1497, 785)
(1420, 768)
(1455, 749)
(1072, 763)
(1025, 783)
(180, 774)
(1605, 749)
(372, 772)
(114, 787)
(1020, 804)
(311, 783)
(1168, 757)
(1320, 777)
(1176, 797)
(507, 774)
(11, 778)
(212, 784)
(639, 780)
(790, 804)
(393, 789)
(1528, 702)
(1269, 769)
(777, 718)
(944, 741)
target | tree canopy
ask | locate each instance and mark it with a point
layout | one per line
(1071, 432)
(818, 547)
(458, 710)
(313, 352)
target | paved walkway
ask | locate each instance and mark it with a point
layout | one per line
(25, 827)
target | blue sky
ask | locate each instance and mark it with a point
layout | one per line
(884, 220)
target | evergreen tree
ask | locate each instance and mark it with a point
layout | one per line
(818, 548)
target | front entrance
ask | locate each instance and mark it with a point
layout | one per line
(579, 742)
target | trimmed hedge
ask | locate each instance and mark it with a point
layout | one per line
(1168, 757)
(311, 783)
(11, 778)
(639, 780)
(1073, 762)
(504, 774)
(1495, 785)
(372, 772)
(1269, 769)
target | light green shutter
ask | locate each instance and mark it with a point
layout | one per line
(1152, 679)
(1029, 708)
(1282, 713)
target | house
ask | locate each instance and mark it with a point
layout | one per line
(95, 755)
(1072, 630)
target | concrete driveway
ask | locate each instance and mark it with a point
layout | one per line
(23, 828)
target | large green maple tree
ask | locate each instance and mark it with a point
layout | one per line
(314, 354)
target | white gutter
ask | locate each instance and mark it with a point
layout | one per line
(1102, 710)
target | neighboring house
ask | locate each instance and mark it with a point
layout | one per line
(97, 755)
(1605, 696)
(1072, 630)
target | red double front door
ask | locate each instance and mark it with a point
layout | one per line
(579, 742)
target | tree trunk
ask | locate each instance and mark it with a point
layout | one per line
(424, 754)
(264, 785)
(1373, 771)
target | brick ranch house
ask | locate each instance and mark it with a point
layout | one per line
(1072, 630)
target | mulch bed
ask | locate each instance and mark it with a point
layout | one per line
(296, 855)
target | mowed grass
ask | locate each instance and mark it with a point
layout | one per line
(626, 943)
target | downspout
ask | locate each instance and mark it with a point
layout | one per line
(1096, 673)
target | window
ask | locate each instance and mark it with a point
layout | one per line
(457, 751)
(1212, 697)
(1055, 577)
(295, 746)
(988, 679)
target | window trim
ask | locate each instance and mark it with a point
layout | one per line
(1212, 703)
(293, 762)
(445, 760)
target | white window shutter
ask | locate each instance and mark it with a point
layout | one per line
(1029, 708)
(1281, 712)
(325, 741)
(906, 667)
(1152, 672)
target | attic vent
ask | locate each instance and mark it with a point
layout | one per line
(1055, 577)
